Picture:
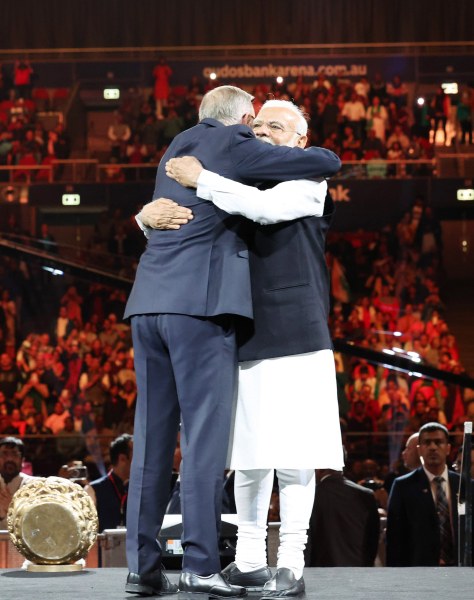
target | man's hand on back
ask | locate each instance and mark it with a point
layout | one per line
(164, 214)
(184, 170)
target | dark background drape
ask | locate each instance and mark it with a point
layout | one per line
(39, 24)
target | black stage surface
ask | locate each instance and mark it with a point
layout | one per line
(321, 584)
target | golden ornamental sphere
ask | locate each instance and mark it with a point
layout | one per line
(52, 521)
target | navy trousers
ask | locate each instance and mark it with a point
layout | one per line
(186, 370)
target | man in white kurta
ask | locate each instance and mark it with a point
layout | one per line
(11, 477)
(287, 412)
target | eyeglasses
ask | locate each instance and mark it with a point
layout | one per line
(274, 126)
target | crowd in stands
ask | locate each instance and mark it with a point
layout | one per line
(24, 140)
(74, 379)
(388, 290)
(142, 129)
(361, 120)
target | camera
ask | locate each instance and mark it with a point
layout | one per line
(371, 484)
(75, 472)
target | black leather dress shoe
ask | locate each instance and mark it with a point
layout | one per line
(283, 584)
(151, 584)
(253, 581)
(211, 585)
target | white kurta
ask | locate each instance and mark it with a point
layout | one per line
(287, 414)
(13, 486)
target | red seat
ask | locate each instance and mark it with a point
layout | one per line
(59, 98)
(60, 93)
(348, 155)
(371, 154)
(179, 90)
(40, 94)
(30, 105)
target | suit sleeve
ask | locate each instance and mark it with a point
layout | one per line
(256, 161)
(372, 531)
(396, 526)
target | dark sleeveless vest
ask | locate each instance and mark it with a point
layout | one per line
(290, 289)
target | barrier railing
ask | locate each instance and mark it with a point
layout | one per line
(114, 172)
(84, 170)
(379, 168)
(451, 164)
(44, 459)
(69, 171)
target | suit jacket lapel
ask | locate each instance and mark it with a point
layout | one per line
(424, 488)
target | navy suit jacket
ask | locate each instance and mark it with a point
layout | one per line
(110, 511)
(202, 269)
(412, 521)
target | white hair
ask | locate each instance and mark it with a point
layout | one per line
(302, 123)
(227, 104)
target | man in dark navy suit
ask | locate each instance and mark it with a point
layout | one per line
(417, 533)
(189, 289)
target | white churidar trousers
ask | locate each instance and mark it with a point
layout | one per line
(253, 489)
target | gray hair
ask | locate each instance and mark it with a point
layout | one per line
(227, 104)
(302, 122)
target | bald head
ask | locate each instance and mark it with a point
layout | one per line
(410, 456)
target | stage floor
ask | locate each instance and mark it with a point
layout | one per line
(321, 584)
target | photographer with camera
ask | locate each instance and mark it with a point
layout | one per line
(372, 481)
